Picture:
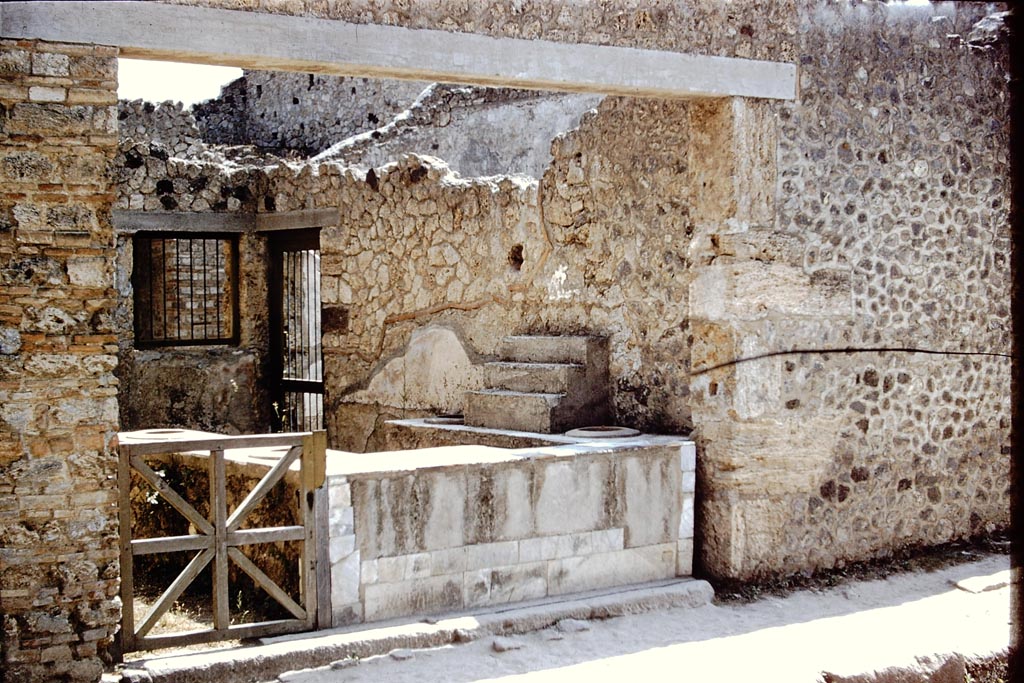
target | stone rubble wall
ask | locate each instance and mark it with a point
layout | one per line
(219, 388)
(477, 131)
(426, 265)
(303, 112)
(166, 124)
(58, 348)
(863, 215)
(831, 223)
(443, 539)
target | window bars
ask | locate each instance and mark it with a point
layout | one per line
(186, 289)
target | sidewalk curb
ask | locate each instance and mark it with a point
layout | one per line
(274, 656)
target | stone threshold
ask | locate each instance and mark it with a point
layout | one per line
(274, 656)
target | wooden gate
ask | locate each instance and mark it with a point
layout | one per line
(216, 539)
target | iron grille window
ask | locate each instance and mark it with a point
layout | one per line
(186, 289)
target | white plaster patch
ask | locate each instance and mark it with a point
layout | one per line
(434, 374)
(557, 289)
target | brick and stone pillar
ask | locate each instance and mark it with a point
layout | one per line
(58, 396)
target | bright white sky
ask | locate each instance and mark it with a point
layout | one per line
(160, 81)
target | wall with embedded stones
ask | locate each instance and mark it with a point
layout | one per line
(869, 214)
(58, 395)
(889, 231)
(429, 271)
(220, 388)
(303, 112)
(167, 124)
(477, 131)
(840, 232)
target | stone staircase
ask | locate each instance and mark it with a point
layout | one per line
(544, 384)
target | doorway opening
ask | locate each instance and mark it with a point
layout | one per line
(295, 331)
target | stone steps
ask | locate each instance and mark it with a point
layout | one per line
(546, 349)
(548, 378)
(545, 384)
(514, 410)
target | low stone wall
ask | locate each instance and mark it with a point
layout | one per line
(446, 529)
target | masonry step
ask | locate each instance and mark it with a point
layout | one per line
(548, 378)
(515, 410)
(546, 349)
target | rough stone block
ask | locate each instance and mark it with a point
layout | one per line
(32, 118)
(514, 410)
(50, 64)
(633, 565)
(15, 62)
(547, 349)
(84, 271)
(549, 378)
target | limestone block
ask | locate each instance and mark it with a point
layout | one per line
(607, 540)
(500, 585)
(570, 545)
(340, 521)
(420, 596)
(339, 492)
(89, 271)
(633, 565)
(342, 615)
(650, 500)
(686, 518)
(770, 456)
(572, 496)
(345, 580)
(497, 505)
(40, 93)
(403, 568)
(758, 382)
(485, 555)
(688, 457)
(413, 513)
(447, 561)
(341, 547)
(684, 557)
